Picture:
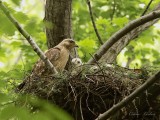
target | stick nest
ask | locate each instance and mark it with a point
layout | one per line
(88, 92)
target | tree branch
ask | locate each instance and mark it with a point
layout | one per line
(93, 23)
(114, 9)
(129, 27)
(112, 53)
(131, 97)
(147, 8)
(28, 38)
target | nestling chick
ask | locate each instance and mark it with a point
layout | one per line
(77, 65)
(77, 62)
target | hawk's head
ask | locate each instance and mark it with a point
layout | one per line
(69, 43)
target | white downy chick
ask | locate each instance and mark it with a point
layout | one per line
(77, 65)
(77, 62)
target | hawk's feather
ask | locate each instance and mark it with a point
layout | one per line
(39, 68)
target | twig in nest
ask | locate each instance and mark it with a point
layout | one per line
(89, 78)
(103, 102)
(80, 106)
(99, 66)
(134, 103)
(75, 98)
(88, 105)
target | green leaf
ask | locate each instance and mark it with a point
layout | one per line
(120, 21)
(15, 74)
(87, 46)
(17, 2)
(16, 44)
(3, 98)
(2, 52)
(20, 17)
(13, 112)
(6, 26)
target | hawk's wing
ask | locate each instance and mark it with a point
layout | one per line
(39, 68)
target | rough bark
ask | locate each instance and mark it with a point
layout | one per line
(111, 55)
(58, 21)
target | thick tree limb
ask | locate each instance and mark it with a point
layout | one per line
(112, 53)
(93, 23)
(129, 27)
(131, 97)
(28, 38)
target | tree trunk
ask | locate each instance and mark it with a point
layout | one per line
(58, 21)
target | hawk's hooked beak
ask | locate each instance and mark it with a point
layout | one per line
(76, 45)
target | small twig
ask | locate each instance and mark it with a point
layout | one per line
(103, 101)
(99, 67)
(93, 23)
(28, 38)
(73, 91)
(89, 78)
(144, 12)
(88, 105)
(114, 9)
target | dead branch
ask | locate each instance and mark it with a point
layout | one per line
(28, 38)
(93, 23)
(131, 97)
(128, 28)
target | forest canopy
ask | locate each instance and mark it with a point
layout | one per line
(17, 57)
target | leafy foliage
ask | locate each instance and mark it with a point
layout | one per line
(17, 57)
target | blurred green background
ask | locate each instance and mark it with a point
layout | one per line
(17, 57)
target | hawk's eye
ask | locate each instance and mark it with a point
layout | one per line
(71, 41)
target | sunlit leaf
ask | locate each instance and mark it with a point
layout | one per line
(120, 21)
(17, 2)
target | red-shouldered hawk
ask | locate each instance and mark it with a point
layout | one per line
(58, 56)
